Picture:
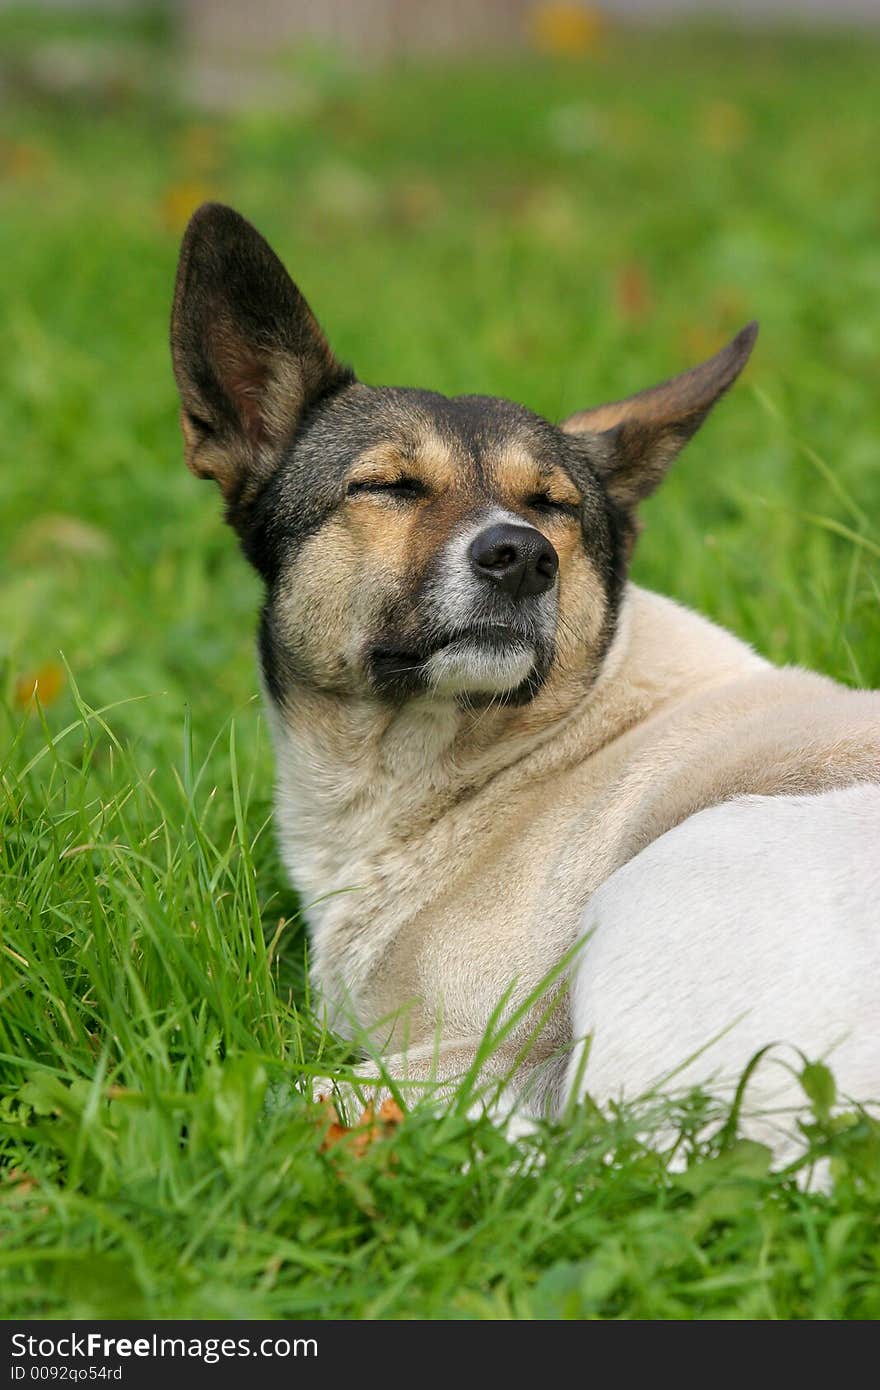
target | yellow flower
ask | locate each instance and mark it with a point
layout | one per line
(566, 30)
(180, 200)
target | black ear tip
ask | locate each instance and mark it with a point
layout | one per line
(745, 338)
(214, 222)
(730, 361)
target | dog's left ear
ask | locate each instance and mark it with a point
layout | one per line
(248, 354)
(635, 440)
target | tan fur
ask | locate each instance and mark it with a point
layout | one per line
(514, 474)
(462, 847)
(444, 854)
(406, 540)
(426, 457)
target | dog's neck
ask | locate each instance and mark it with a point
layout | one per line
(356, 777)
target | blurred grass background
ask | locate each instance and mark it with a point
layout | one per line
(558, 233)
(555, 233)
(557, 230)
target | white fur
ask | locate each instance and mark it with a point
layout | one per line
(455, 601)
(469, 664)
(759, 920)
(446, 856)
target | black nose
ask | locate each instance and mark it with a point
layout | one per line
(518, 559)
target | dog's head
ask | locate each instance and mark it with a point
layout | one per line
(410, 544)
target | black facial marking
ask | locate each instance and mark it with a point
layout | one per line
(608, 529)
(271, 654)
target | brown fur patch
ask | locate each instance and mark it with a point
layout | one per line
(428, 459)
(404, 538)
(516, 476)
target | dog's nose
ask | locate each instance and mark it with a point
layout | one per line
(518, 559)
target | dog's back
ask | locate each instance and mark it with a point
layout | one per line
(754, 922)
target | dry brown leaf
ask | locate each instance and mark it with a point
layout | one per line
(365, 1132)
(22, 1182)
(45, 684)
(390, 1112)
(19, 160)
(632, 292)
(332, 1135)
(333, 1130)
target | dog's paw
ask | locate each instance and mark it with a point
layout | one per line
(351, 1096)
(321, 1088)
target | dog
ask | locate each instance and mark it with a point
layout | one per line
(514, 790)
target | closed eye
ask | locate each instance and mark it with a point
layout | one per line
(543, 502)
(406, 489)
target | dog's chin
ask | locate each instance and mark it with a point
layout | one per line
(480, 668)
(474, 668)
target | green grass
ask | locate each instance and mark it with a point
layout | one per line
(558, 234)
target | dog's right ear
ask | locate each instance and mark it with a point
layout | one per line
(248, 354)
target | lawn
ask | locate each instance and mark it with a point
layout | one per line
(557, 232)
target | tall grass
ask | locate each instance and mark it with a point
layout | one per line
(555, 233)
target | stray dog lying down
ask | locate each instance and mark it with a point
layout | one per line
(491, 746)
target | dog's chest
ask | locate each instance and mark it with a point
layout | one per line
(352, 821)
(416, 885)
(431, 876)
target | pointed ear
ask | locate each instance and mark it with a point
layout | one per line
(639, 437)
(248, 354)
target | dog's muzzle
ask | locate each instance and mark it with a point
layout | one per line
(486, 620)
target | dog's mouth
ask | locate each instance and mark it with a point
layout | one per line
(493, 635)
(487, 660)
